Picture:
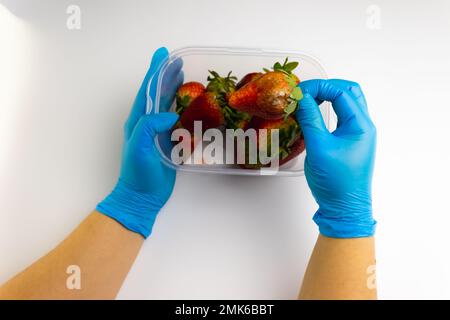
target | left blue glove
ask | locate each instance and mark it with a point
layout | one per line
(145, 183)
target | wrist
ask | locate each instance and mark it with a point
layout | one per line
(135, 210)
(348, 225)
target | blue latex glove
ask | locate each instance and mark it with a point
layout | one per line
(339, 165)
(145, 183)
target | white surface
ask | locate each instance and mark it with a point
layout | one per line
(65, 95)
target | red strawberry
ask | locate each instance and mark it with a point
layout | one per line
(187, 93)
(205, 108)
(291, 142)
(194, 139)
(273, 95)
(224, 87)
(248, 78)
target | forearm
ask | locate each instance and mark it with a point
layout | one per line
(104, 246)
(341, 269)
(103, 250)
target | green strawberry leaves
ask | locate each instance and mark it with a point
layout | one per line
(221, 85)
(277, 66)
(295, 96)
(234, 118)
(288, 136)
(291, 81)
(182, 103)
(287, 67)
(290, 108)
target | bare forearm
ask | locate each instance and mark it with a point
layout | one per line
(341, 269)
(101, 248)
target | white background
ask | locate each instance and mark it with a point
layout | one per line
(65, 94)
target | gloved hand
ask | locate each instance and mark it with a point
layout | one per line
(145, 183)
(339, 165)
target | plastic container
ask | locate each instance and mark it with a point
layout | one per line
(196, 61)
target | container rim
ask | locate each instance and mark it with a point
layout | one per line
(219, 50)
(153, 106)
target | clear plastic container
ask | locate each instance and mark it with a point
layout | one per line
(196, 61)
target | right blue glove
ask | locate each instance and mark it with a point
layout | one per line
(339, 165)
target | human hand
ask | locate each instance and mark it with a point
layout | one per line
(145, 183)
(339, 165)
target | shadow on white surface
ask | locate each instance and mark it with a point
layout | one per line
(227, 237)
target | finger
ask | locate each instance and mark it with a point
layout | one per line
(171, 73)
(171, 81)
(158, 58)
(310, 119)
(168, 92)
(140, 103)
(150, 125)
(354, 89)
(343, 103)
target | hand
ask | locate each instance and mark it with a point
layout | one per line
(339, 165)
(145, 183)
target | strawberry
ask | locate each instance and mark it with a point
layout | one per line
(224, 87)
(248, 78)
(187, 93)
(296, 79)
(291, 142)
(272, 95)
(205, 108)
(194, 141)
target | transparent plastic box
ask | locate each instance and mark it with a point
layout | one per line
(196, 61)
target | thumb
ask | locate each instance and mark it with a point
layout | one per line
(150, 125)
(309, 117)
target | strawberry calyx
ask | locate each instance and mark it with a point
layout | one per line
(221, 85)
(289, 133)
(182, 102)
(186, 93)
(287, 67)
(295, 96)
(235, 118)
(288, 136)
